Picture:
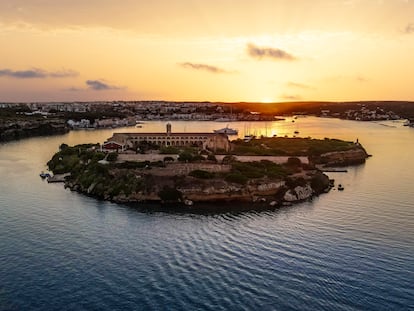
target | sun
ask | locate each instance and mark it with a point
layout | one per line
(267, 100)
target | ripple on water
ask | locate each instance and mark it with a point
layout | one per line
(349, 250)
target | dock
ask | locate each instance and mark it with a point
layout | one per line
(57, 178)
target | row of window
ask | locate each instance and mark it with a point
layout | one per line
(168, 137)
(176, 143)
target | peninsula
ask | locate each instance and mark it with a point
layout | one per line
(20, 120)
(187, 169)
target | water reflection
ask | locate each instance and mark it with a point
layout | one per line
(344, 250)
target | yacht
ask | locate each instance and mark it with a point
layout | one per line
(227, 130)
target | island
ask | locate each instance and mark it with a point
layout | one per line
(203, 170)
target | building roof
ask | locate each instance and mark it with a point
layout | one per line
(166, 134)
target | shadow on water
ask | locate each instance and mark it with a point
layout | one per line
(212, 209)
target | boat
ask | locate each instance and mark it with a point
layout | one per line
(223, 119)
(227, 130)
(44, 175)
(248, 138)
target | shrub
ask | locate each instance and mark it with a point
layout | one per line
(212, 157)
(168, 194)
(237, 178)
(112, 157)
(248, 169)
(169, 150)
(228, 159)
(168, 159)
(202, 174)
(197, 158)
(132, 164)
(185, 156)
(293, 161)
(292, 183)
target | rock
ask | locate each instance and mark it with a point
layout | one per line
(91, 187)
(298, 194)
(343, 158)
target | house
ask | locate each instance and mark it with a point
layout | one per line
(113, 146)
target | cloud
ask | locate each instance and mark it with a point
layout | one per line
(36, 73)
(360, 78)
(63, 74)
(96, 85)
(290, 97)
(100, 85)
(299, 85)
(343, 78)
(409, 28)
(266, 52)
(204, 67)
(74, 89)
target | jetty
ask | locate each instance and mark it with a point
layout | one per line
(58, 178)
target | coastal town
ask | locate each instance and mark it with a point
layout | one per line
(19, 120)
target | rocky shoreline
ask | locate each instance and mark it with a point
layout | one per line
(341, 158)
(204, 184)
(256, 193)
(18, 129)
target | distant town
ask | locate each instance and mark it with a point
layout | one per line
(18, 120)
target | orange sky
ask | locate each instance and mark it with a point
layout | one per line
(216, 50)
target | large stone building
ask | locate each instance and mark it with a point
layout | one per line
(123, 141)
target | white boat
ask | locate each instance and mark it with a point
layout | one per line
(227, 130)
(223, 120)
(248, 138)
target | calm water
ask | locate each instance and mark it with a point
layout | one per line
(350, 250)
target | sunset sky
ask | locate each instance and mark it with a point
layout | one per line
(215, 50)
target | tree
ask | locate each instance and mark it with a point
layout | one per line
(112, 157)
(212, 157)
(185, 156)
(228, 159)
(293, 161)
(168, 194)
(168, 159)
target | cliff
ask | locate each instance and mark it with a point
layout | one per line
(354, 156)
(263, 192)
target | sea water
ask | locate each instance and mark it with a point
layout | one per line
(345, 250)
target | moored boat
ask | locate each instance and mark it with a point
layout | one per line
(44, 175)
(227, 130)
